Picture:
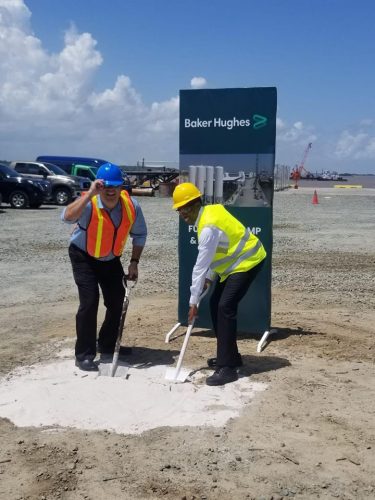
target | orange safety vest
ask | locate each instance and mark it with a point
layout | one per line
(102, 235)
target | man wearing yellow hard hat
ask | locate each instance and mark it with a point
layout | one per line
(227, 250)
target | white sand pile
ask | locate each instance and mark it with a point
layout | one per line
(60, 395)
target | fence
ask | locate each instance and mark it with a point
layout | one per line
(281, 177)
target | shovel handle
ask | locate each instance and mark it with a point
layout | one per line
(202, 295)
(183, 349)
(114, 364)
(125, 306)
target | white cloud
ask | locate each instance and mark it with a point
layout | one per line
(292, 140)
(367, 122)
(123, 95)
(349, 144)
(297, 133)
(15, 13)
(198, 82)
(280, 125)
(356, 145)
(48, 103)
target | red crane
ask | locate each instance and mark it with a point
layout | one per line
(297, 170)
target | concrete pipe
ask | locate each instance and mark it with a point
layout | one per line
(219, 184)
(209, 195)
(193, 174)
(201, 178)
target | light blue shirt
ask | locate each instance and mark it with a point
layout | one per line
(138, 231)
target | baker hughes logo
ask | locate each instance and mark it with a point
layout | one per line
(256, 122)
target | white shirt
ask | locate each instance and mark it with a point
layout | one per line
(209, 239)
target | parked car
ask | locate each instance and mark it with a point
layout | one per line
(68, 163)
(84, 171)
(80, 166)
(65, 187)
(22, 192)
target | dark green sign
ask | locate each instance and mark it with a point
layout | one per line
(254, 313)
(233, 130)
(228, 121)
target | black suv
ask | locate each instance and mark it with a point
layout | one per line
(65, 187)
(21, 191)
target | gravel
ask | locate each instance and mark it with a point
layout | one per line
(35, 267)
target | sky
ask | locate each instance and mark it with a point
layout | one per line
(101, 78)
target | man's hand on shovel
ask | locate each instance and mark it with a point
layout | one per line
(193, 313)
(176, 374)
(193, 308)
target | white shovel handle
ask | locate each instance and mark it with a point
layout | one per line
(114, 364)
(177, 325)
(186, 339)
(183, 349)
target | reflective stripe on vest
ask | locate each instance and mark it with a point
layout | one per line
(102, 236)
(246, 255)
(238, 250)
(243, 251)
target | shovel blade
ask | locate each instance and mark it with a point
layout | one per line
(106, 370)
(173, 375)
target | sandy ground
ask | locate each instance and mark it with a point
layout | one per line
(309, 434)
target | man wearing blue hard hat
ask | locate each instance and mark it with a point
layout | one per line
(104, 219)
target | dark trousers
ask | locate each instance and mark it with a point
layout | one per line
(223, 305)
(90, 273)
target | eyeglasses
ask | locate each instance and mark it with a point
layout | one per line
(185, 210)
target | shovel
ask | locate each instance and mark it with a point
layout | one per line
(178, 374)
(121, 326)
(114, 364)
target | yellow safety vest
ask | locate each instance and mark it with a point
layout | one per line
(243, 251)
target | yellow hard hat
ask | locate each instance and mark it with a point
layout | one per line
(184, 193)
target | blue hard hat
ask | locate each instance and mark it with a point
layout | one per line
(111, 175)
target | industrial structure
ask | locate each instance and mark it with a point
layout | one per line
(296, 173)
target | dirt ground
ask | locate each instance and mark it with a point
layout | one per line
(309, 435)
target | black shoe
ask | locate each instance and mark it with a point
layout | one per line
(212, 362)
(124, 351)
(87, 365)
(222, 376)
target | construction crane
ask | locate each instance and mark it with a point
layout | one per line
(298, 169)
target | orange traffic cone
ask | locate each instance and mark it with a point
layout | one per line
(315, 198)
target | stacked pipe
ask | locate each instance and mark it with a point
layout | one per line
(209, 181)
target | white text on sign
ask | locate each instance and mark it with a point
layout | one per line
(193, 239)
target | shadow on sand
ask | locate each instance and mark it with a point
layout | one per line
(143, 357)
(278, 333)
(284, 333)
(254, 364)
(261, 364)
